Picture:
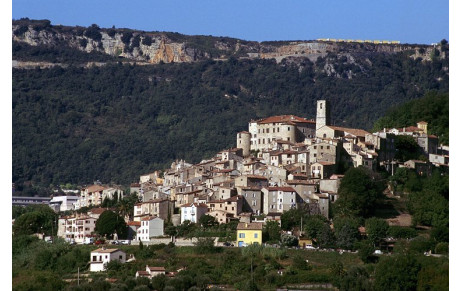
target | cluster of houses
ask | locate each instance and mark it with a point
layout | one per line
(280, 163)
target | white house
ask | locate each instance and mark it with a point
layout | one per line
(101, 257)
(192, 212)
(151, 226)
(63, 203)
(151, 272)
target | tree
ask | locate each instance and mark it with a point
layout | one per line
(355, 279)
(271, 232)
(366, 251)
(313, 225)
(347, 234)
(109, 223)
(326, 237)
(398, 272)
(41, 219)
(208, 221)
(288, 240)
(406, 148)
(291, 218)
(376, 230)
(359, 191)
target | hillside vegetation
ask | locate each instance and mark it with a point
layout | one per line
(432, 108)
(114, 122)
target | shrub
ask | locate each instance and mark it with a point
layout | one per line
(126, 38)
(147, 40)
(21, 30)
(288, 240)
(93, 32)
(442, 248)
(83, 42)
(402, 232)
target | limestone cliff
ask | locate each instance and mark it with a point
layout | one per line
(156, 47)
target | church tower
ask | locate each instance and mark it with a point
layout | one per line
(323, 115)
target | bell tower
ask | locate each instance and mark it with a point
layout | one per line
(323, 115)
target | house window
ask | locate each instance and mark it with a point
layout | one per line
(289, 129)
(321, 147)
(94, 258)
(106, 256)
(256, 235)
(278, 129)
(242, 235)
(120, 257)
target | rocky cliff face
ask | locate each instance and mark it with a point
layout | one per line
(158, 47)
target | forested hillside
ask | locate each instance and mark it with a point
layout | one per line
(432, 108)
(117, 121)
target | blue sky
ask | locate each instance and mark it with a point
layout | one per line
(409, 21)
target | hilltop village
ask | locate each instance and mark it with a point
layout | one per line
(281, 163)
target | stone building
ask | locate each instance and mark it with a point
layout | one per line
(263, 132)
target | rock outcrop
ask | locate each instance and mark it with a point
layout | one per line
(156, 47)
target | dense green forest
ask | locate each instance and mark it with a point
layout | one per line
(115, 122)
(432, 108)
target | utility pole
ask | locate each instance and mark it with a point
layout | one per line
(301, 225)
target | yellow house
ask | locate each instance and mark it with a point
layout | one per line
(249, 233)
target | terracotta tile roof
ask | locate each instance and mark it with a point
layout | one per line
(148, 218)
(284, 119)
(353, 131)
(256, 177)
(143, 273)
(299, 182)
(243, 132)
(281, 141)
(432, 136)
(101, 250)
(324, 163)
(250, 226)
(156, 269)
(410, 129)
(94, 188)
(250, 188)
(194, 204)
(284, 189)
(99, 210)
(134, 223)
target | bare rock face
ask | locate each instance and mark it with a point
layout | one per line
(160, 48)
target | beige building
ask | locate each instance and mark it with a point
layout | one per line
(76, 228)
(225, 210)
(162, 208)
(324, 152)
(322, 170)
(91, 195)
(263, 132)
